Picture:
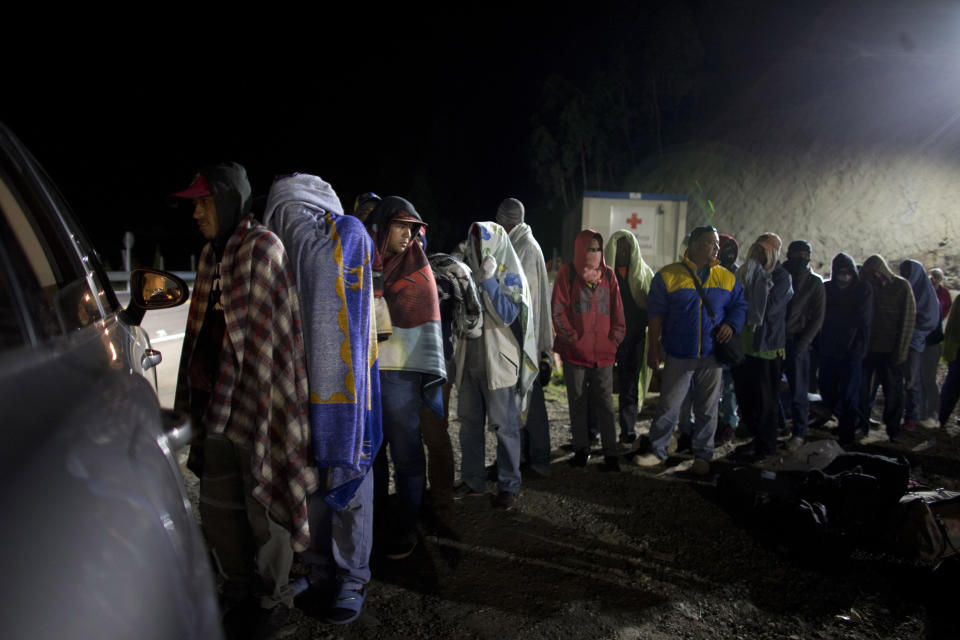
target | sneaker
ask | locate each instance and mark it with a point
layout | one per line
(463, 490)
(610, 463)
(647, 460)
(794, 443)
(628, 438)
(505, 500)
(700, 467)
(909, 425)
(400, 549)
(579, 459)
(929, 423)
(684, 442)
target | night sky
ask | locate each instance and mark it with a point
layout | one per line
(438, 108)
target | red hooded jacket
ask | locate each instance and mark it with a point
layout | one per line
(588, 320)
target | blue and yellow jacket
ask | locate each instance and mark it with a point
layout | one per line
(687, 326)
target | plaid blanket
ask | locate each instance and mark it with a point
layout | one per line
(260, 396)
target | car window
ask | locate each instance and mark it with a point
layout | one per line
(50, 276)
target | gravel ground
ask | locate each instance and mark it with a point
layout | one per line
(648, 554)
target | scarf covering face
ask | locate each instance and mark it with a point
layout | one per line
(331, 256)
(494, 241)
(411, 294)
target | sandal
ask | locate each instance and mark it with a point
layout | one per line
(347, 605)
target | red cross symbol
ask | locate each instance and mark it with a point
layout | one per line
(633, 221)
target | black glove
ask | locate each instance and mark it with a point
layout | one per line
(546, 370)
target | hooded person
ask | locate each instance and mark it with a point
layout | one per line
(495, 371)
(927, 322)
(331, 256)
(536, 428)
(804, 319)
(589, 322)
(950, 391)
(891, 332)
(634, 276)
(768, 289)
(242, 378)
(412, 366)
(844, 336)
(728, 420)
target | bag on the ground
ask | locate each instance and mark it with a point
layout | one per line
(928, 527)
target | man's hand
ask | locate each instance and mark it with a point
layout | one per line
(653, 355)
(487, 268)
(723, 334)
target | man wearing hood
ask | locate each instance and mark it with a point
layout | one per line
(331, 255)
(536, 429)
(496, 369)
(412, 365)
(844, 336)
(891, 332)
(634, 276)
(242, 378)
(768, 289)
(677, 315)
(804, 318)
(927, 320)
(588, 318)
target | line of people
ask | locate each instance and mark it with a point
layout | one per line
(322, 347)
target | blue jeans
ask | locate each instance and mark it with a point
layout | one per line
(797, 367)
(913, 391)
(400, 401)
(537, 428)
(475, 405)
(675, 382)
(340, 539)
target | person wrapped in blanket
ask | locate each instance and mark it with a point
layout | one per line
(412, 367)
(242, 378)
(331, 255)
(495, 371)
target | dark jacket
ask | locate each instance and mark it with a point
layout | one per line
(928, 305)
(772, 334)
(805, 310)
(848, 312)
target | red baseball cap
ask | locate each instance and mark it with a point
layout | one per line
(199, 188)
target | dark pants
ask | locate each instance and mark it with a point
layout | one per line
(756, 381)
(797, 367)
(436, 438)
(950, 391)
(840, 389)
(879, 369)
(629, 365)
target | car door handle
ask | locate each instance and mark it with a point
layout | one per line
(150, 359)
(177, 428)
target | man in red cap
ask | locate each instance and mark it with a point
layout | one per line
(243, 379)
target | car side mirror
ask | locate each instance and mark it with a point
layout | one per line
(154, 289)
